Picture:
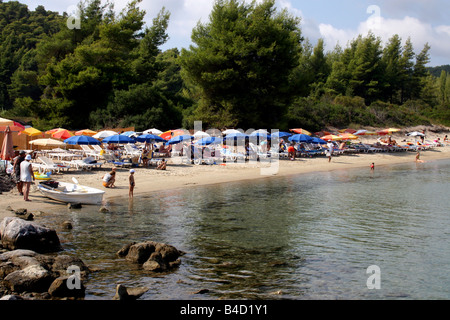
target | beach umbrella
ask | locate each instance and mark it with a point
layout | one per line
(169, 134)
(149, 138)
(352, 131)
(85, 132)
(60, 133)
(415, 134)
(7, 152)
(85, 140)
(179, 139)
(47, 143)
(118, 139)
(230, 131)
(348, 136)
(200, 135)
(387, 131)
(322, 133)
(280, 134)
(32, 132)
(301, 131)
(131, 134)
(235, 136)
(209, 140)
(154, 131)
(364, 133)
(316, 140)
(104, 134)
(13, 125)
(331, 137)
(300, 138)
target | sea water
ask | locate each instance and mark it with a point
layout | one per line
(311, 236)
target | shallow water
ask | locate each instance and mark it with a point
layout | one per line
(311, 236)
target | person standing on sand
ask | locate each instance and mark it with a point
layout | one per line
(372, 166)
(329, 151)
(26, 176)
(16, 167)
(132, 183)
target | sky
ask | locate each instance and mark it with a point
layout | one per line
(336, 21)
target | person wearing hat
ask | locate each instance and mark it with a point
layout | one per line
(16, 171)
(132, 183)
(26, 176)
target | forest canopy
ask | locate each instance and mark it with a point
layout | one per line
(248, 66)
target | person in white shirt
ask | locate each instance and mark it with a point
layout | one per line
(26, 176)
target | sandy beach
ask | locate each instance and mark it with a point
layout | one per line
(176, 176)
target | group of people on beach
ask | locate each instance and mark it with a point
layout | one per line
(109, 179)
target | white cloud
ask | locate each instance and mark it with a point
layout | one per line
(420, 32)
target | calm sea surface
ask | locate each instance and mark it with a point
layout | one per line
(311, 236)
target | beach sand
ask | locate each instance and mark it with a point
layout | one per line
(176, 176)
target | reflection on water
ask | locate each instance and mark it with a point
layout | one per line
(304, 237)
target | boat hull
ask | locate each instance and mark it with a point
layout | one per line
(72, 193)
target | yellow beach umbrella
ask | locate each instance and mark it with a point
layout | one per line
(301, 131)
(85, 132)
(32, 132)
(348, 136)
(331, 137)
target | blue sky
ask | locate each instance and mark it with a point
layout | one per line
(336, 21)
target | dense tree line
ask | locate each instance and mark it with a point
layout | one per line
(248, 66)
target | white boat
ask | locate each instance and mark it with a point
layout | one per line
(71, 192)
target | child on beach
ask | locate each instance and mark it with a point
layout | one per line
(132, 183)
(372, 166)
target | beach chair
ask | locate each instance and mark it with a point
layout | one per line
(256, 151)
(228, 155)
(88, 163)
(110, 158)
(47, 164)
(88, 152)
(132, 151)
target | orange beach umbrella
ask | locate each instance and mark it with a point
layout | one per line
(331, 137)
(85, 132)
(301, 131)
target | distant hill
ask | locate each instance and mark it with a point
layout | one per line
(436, 71)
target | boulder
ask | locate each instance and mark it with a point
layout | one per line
(34, 278)
(11, 297)
(29, 271)
(16, 233)
(154, 256)
(124, 293)
(60, 288)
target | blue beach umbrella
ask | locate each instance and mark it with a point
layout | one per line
(318, 141)
(179, 139)
(300, 138)
(81, 140)
(149, 138)
(118, 139)
(235, 136)
(280, 134)
(209, 140)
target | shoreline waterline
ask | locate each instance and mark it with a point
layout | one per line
(178, 176)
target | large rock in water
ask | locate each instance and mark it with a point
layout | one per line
(153, 256)
(16, 233)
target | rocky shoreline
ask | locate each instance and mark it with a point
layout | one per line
(32, 268)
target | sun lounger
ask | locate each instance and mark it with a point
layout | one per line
(84, 164)
(88, 152)
(47, 164)
(133, 152)
(228, 155)
(110, 158)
